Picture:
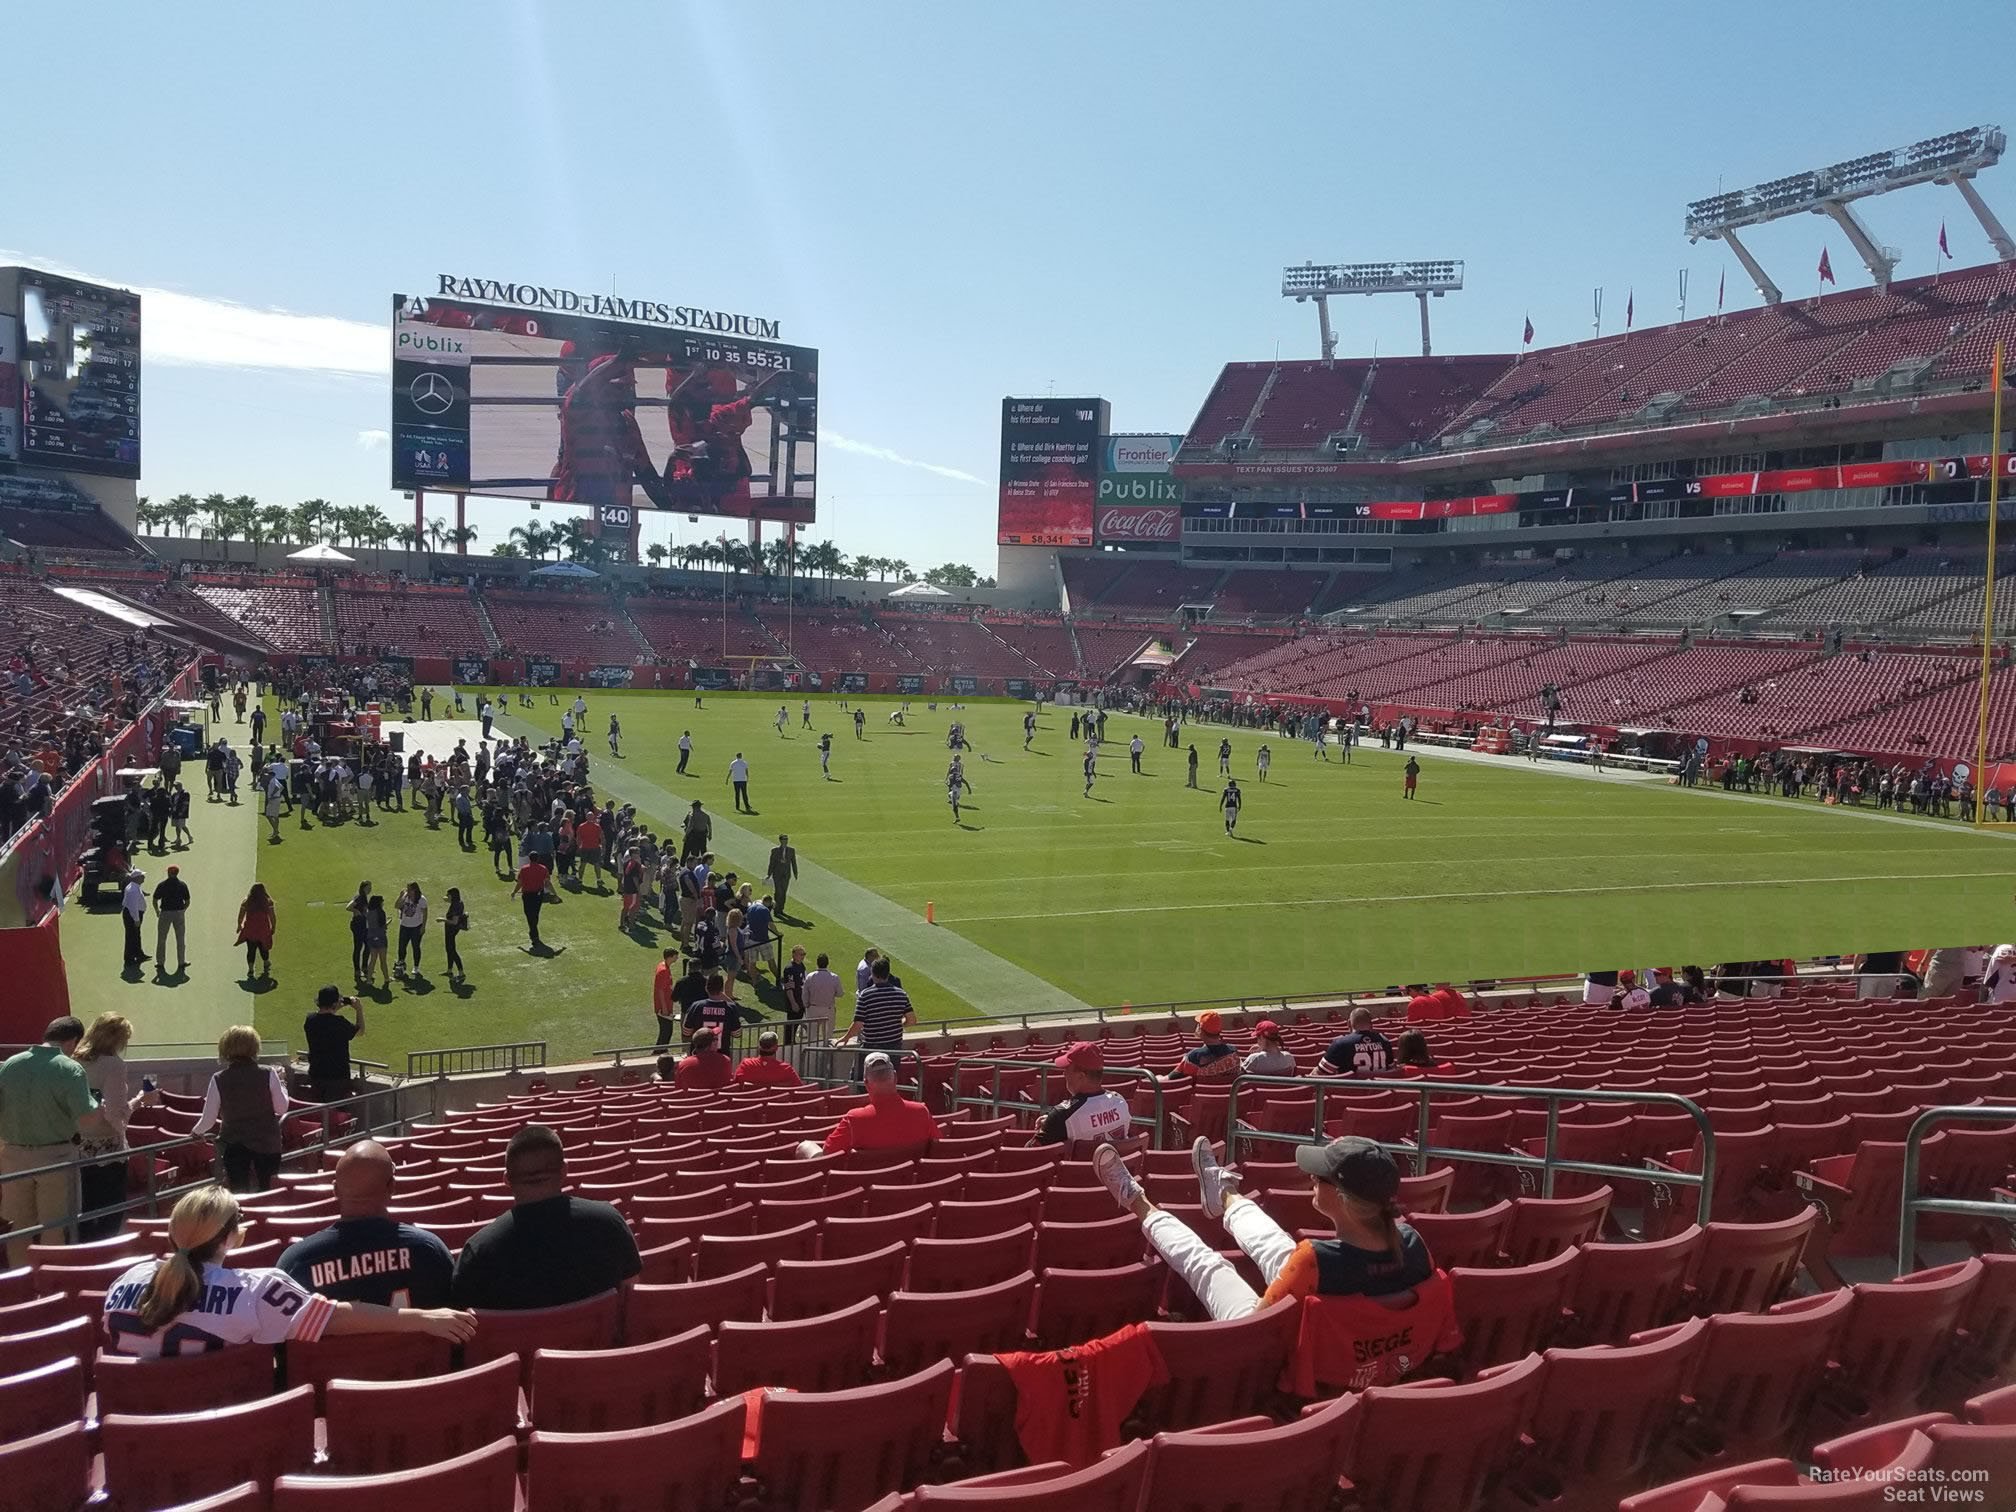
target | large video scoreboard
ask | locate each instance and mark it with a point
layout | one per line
(614, 414)
(1050, 454)
(69, 374)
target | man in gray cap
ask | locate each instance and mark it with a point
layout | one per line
(1354, 1184)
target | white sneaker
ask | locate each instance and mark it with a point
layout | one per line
(1214, 1181)
(1113, 1172)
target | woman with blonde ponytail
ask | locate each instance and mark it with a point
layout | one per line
(193, 1300)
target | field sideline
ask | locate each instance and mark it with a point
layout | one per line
(1047, 899)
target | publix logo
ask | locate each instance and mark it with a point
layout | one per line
(428, 341)
(1139, 488)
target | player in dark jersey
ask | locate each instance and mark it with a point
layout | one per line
(602, 454)
(707, 420)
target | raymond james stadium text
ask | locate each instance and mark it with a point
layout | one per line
(604, 306)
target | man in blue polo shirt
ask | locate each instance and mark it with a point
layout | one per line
(366, 1255)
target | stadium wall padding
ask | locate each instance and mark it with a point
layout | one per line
(38, 987)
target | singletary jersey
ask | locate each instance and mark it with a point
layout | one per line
(234, 1307)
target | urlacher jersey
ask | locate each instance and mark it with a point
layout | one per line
(1091, 1116)
(234, 1307)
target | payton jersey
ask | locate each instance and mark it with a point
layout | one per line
(234, 1307)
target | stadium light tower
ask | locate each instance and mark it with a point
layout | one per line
(1831, 191)
(1318, 281)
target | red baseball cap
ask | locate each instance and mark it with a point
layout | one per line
(1082, 1056)
(1267, 1029)
(1208, 1022)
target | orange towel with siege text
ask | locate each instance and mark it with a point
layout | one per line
(1070, 1403)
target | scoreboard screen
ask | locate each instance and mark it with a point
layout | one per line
(75, 350)
(1050, 453)
(617, 416)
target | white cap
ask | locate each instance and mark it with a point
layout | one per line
(878, 1063)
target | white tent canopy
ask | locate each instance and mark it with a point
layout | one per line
(920, 590)
(319, 553)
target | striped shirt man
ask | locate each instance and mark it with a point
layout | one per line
(881, 1010)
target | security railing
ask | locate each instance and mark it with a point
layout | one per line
(382, 1110)
(1548, 1165)
(840, 1065)
(798, 1034)
(1914, 1203)
(466, 1060)
(1122, 1079)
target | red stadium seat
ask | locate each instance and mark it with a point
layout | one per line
(1440, 1448)
(1623, 1289)
(588, 1324)
(1601, 1417)
(250, 1496)
(1089, 1246)
(606, 1390)
(366, 1357)
(1895, 1337)
(1219, 1371)
(828, 1353)
(38, 1400)
(154, 1462)
(1997, 1408)
(1293, 1468)
(1542, 1228)
(841, 1237)
(1075, 1305)
(482, 1480)
(724, 1254)
(218, 1378)
(803, 1288)
(660, 1312)
(1755, 1378)
(962, 1264)
(1112, 1485)
(1473, 1238)
(1745, 1267)
(973, 1220)
(379, 1426)
(1507, 1314)
(50, 1470)
(920, 1327)
(839, 1451)
(692, 1465)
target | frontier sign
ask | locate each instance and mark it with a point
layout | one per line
(603, 306)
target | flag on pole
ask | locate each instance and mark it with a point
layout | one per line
(1630, 307)
(1826, 267)
(1527, 339)
(1721, 288)
(1944, 250)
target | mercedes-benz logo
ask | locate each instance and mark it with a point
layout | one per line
(431, 394)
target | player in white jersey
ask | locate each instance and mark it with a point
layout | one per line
(805, 715)
(1262, 759)
(192, 1301)
(783, 718)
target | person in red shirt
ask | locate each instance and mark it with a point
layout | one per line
(889, 1120)
(1454, 1004)
(1424, 1007)
(704, 1068)
(531, 886)
(707, 420)
(602, 453)
(763, 1069)
(662, 1004)
(588, 850)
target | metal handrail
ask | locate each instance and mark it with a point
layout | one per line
(1913, 1204)
(1043, 1069)
(834, 1077)
(510, 1058)
(398, 1120)
(1547, 1164)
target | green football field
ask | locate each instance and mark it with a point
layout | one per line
(1043, 896)
(1047, 899)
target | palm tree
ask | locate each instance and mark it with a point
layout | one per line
(506, 549)
(308, 516)
(279, 523)
(902, 570)
(437, 531)
(780, 557)
(571, 539)
(377, 531)
(533, 539)
(655, 553)
(462, 537)
(180, 510)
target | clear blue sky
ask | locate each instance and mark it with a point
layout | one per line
(953, 202)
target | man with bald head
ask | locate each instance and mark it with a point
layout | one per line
(366, 1255)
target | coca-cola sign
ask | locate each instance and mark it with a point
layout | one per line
(1140, 523)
